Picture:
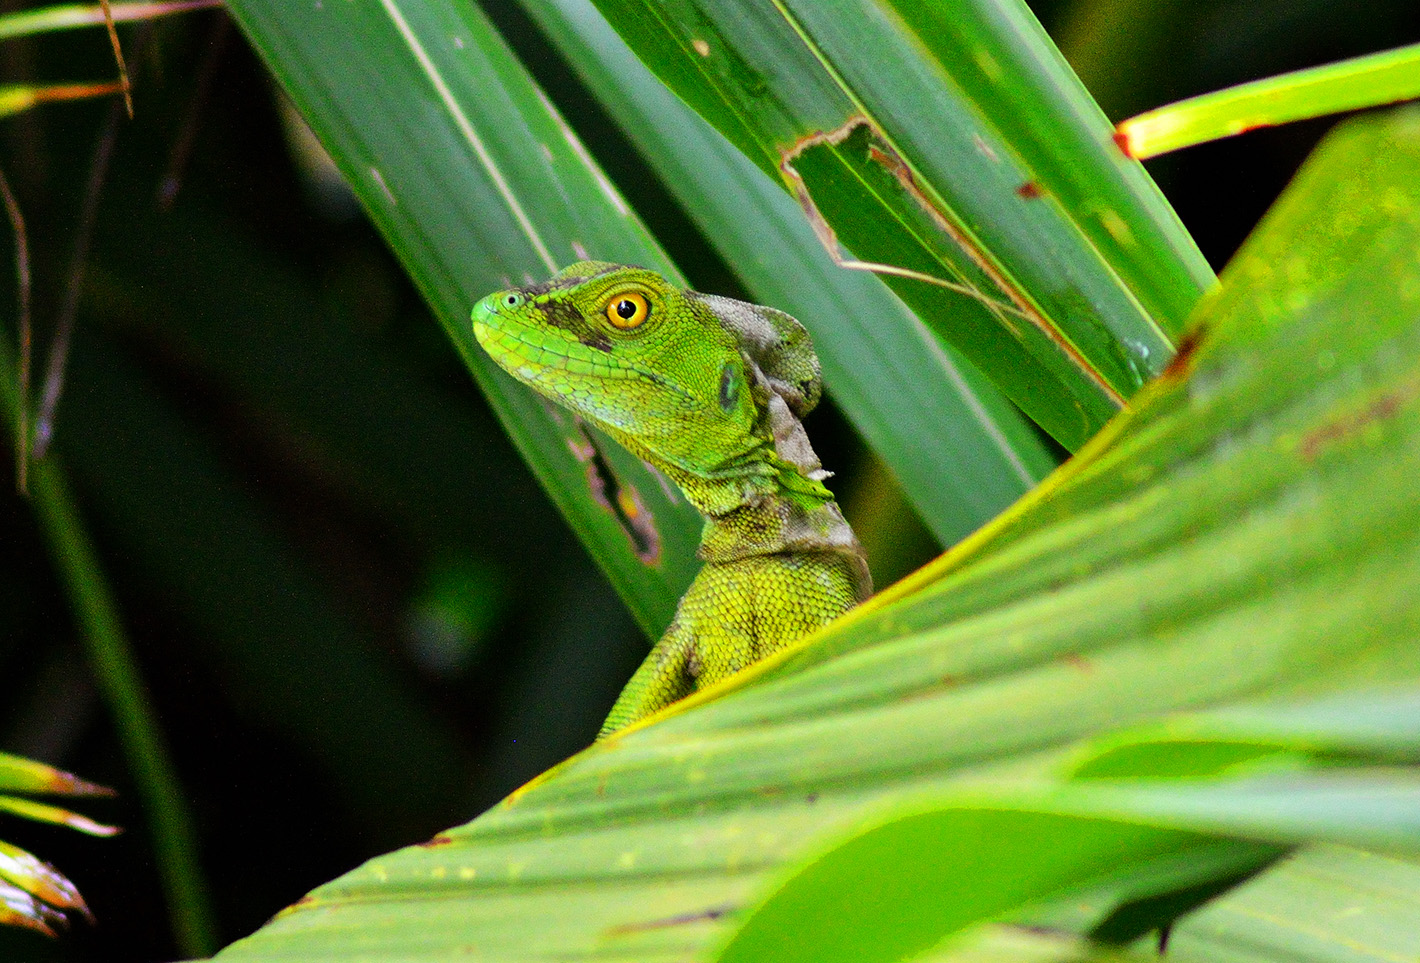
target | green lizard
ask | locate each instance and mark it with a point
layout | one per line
(709, 391)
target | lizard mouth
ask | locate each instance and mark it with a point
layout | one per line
(545, 359)
(518, 347)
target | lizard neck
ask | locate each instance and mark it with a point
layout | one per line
(785, 526)
(766, 500)
(775, 524)
(778, 513)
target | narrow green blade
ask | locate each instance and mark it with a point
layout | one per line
(1382, 78)
(476, 183)
(18, 774)
(961, 452)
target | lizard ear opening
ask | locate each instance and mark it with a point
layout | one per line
(729, 387)
(778, 346)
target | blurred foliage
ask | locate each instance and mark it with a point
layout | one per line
(359, 618)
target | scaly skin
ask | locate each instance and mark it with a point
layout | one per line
(709, 391)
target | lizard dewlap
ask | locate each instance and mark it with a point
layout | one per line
(709, 391)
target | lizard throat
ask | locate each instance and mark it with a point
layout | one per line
(777, 526)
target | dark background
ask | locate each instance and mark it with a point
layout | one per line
(359, 618)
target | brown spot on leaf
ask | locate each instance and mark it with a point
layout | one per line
(932, 691)
(62, 783)
(879, 152)
(305, 902)
(1181, 366)
(1381, 409)
(1024, 308)
(703, 916)
(621, 499)
(440, 840)
(787, 158)
(1030, 191)
(1077, 661)
(1121, 140)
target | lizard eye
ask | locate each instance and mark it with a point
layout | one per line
(512, 299)
(627, 311)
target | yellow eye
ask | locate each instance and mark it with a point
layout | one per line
(627, 311)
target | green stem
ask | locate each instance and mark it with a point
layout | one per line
(121, 684)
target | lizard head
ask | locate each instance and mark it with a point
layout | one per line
(710, 386)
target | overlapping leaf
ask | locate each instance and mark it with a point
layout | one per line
(1327, 903)
(950, 145)
(1258, 777)
(1381, 78)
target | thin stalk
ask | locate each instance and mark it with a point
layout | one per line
(26, 336)
(201, 91)
(117, 674)
(118, 57)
